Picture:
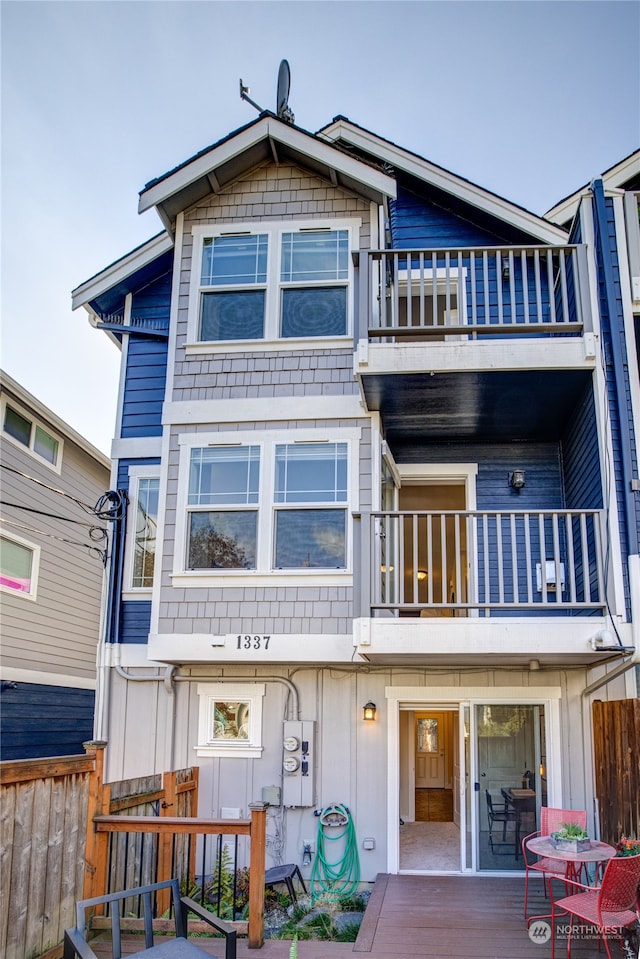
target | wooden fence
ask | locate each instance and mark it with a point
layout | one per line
(616, 742)
(43, 825)
(66, 835)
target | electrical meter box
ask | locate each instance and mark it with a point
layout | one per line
(298, 763)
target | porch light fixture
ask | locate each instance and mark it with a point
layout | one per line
(369, 711)
(422, 575)
(516, 479)
(506, 272)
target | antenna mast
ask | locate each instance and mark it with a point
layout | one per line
(283, 109)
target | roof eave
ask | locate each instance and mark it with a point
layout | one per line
(467, 191)
(117, 272)
(37, 406)
(198, 178)
(612, 178)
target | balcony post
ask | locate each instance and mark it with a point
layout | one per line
(583, 299)
(362, 297)
(256, 873)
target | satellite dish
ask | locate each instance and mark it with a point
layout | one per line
(282, 94)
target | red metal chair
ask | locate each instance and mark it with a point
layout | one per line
(609, 907)
(551, 819)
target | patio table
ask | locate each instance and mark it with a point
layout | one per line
(597, 853)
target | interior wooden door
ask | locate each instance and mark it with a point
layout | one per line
(431, 750)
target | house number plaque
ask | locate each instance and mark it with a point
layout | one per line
(252, 641)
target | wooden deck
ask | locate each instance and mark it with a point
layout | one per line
(426, 917)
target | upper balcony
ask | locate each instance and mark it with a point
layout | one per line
(452, 332)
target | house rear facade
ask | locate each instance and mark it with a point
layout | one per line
(369, 438)
(52, 573)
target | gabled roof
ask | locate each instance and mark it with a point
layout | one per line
(34, 405)
(125, 275)
(344, 130)
(266, 138)
(624, 174)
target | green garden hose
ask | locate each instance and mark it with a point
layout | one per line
(338, 879)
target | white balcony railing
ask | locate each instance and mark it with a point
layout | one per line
(426, 294)
(452, 562)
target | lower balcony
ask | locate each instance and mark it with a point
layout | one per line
(455, 563)
(458, 586)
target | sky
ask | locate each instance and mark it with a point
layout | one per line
(528, 98)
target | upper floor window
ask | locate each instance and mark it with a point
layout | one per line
(272, 282)
(19, 562)
(226, 478)
(259, 505)
(308, 532)
(24, 429)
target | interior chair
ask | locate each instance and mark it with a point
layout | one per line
(498, 812)
(176, 947)
(551, 819)
(609, 907)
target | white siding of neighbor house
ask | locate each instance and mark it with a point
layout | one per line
(58, 632)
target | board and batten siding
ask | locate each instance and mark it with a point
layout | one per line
(350, 762)
(146, 362)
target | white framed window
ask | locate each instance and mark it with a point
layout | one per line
(19, 565)
(270, 282)
(266, 503)
(23, 429)
(142, 530)
(230, 720)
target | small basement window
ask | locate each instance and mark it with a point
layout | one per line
(230, 720)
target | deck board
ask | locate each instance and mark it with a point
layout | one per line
(425, 917)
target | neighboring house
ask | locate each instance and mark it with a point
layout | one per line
(366, 433)
(51, 576)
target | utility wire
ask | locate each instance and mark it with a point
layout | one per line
(96, 533)
(110, 506)
(61, 539)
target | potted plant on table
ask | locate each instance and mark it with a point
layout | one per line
(571, 838)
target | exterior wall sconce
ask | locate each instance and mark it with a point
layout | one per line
(369, 711)
(422, 575)
(517, 479)
(506, 272)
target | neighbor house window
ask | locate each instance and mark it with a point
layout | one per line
(271, 283)
(28, 432)
(310, 533)
(18, 566)
(222, 506)
(230, 719)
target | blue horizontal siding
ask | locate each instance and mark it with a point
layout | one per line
(42, 721)
(135, 620)
(146, 365)
(416, 222)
